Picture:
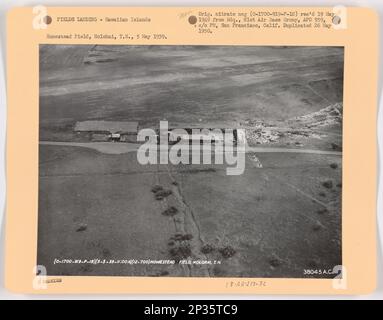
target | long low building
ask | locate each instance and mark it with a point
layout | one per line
(127, 127)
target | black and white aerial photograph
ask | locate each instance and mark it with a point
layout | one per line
(111, 204)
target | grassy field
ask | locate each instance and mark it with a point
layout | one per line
(185, 84)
